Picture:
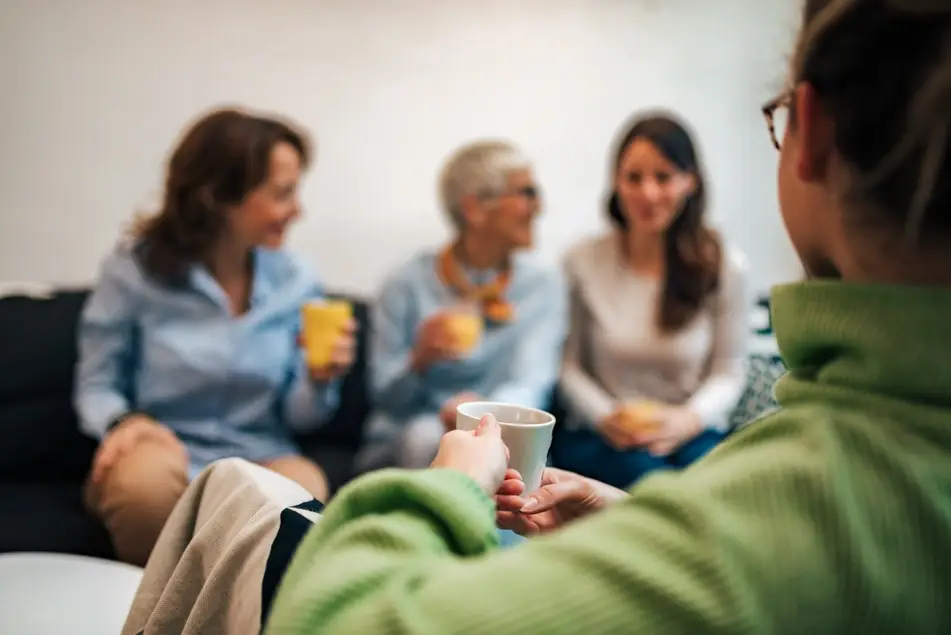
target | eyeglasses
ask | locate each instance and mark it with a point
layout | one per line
(776, 112)
(530, 192)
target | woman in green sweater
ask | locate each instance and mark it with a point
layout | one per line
(832, 515)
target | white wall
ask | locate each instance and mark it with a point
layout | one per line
(93, 92)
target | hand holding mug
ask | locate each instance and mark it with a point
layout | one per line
(479, 454)
(526, 432)
(563, 497)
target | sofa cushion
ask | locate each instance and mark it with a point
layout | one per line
(38, 343)
(758, 397)
(337, 461)
(41, 441)
(49, 517)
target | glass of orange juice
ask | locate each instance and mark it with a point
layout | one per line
(465, 323)
(323, 322)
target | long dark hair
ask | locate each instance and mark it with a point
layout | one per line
(221, 158)
(693, 251)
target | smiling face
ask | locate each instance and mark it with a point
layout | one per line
(651, 189)
(509, 216)
(262, 218)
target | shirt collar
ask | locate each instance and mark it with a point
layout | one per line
(201, 280)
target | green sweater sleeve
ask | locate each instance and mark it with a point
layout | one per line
(702, 551)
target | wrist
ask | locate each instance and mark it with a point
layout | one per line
(125, 417)
(606, 420)
(417, 362)
(320, 378)
(482, 481)
(608, 493)
(694, 420)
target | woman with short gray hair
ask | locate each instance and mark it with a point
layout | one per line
(475, 319)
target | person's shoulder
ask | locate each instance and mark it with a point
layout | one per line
(734, 263)
(589, 247)
(123, 265)
(535, 271)
(782, 481)
(413, 272)
(589, 252)
(813, 460)
(782, 426)
(283, 267)
(807, 437)
(787, 453)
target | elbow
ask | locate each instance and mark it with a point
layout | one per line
(89, 423)
(312, 406)
(392, 384)
(735, 372)
(90, 429)
(306, 422)
(379, 390)
(391, 401)
(382, 373)
(379, 384)
(97, 401)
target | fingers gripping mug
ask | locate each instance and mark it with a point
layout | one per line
(526, 432)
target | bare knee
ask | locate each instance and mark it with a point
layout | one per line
(304, 472)
(136, 496)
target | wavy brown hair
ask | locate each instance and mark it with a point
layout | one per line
(221, 158)
(693, 251)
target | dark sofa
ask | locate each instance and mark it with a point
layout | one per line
(44, 458)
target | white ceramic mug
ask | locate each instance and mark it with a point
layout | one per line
(526, 432)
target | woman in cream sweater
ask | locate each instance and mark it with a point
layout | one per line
(656, 355)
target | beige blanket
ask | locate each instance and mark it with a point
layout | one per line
(222, 553)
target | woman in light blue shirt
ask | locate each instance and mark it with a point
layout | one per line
(188, 346)
(418, 374)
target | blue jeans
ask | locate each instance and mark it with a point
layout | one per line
(587, 453)
(509, 538)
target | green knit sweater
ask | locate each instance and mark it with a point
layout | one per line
(831, 516)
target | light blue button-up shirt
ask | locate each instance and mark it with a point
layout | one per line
(227, 386)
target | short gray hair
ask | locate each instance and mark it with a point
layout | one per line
(481, 168)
